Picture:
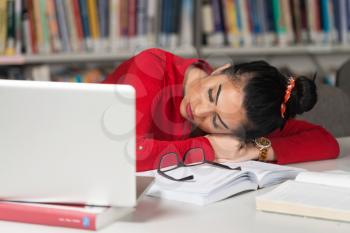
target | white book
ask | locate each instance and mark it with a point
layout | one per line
(212, 184)
(114, 24)
(186, 26)
(323, 195)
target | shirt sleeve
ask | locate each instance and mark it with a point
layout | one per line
(149, 151)
(301, 141)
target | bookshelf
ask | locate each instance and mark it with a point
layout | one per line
(285, 51)
(194, 30)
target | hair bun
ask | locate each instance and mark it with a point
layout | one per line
(303, 97)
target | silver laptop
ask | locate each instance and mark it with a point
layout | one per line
(67, 143)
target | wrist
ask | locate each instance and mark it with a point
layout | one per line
(250, 151)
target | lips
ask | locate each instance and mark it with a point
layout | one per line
(189, 111)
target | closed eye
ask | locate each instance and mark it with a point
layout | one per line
(210, 95)
(214, 122)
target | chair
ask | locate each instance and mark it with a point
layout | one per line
(343, 78)
(332, 110)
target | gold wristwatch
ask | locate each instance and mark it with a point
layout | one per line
(263, 144)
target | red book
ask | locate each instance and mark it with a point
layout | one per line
(32, 26)
(132, 18)
(78, 22)
(73, 216)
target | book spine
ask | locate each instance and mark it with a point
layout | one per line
(186, 29)
(261, 15)
(103, 15)
(332, 23)
(227, 11)
(27, 47)
(218, 37)
(32, 27)
(175, 25)
(132, 23)
(93, 23)
(207, 21)
(242, 6)
(297, 21)
(3, 26)
(72, 30)
(47, 216)
(311, 20)
(256, 27)
(18, 26)
(113, 24)
(10, 43)
(152, 22)
(85, 24)
(63, 28)
(124, 30)
(53, 26)
(269, 37)
(78, 24)
(287, 18)
(44, 26)
(279, 23)
(348, 19)
(304, 30)
(163, 23)
(38, 26)
(343, 31)
(325, 21)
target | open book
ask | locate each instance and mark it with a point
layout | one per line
(212, 184)
(313, 194)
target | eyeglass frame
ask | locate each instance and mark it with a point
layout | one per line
(181, 163)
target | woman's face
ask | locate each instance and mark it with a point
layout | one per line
(214, 103)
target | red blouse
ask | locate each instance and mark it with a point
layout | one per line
(157, 76)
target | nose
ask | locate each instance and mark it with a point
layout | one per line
(203, 110)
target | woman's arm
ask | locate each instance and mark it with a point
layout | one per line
(149, 151)
(301, 141)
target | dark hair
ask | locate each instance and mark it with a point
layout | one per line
(264, 89)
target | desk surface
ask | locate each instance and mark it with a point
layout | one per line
(235, 214)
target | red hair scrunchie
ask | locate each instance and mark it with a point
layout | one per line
(290, 87)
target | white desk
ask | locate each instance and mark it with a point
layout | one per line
(236, 214)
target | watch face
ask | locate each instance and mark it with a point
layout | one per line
(263, 142)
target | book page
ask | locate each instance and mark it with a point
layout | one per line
(268, 173)
(207, 178)
(332, 178)
(307, 199)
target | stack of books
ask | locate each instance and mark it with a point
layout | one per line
(61, 26)
(86, 217)
(73, 216)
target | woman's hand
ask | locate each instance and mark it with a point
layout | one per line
(229, 149)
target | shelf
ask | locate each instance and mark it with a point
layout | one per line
(82, 57)
(282, 51)
(185, 52)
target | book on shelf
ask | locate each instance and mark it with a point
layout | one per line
(69, 26)
(322, 195)
(257, 23)
(213, 184)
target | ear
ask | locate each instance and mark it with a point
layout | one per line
(220, 69)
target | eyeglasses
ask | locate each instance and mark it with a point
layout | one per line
(192, 157)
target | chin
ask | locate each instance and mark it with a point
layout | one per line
(183, 110)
